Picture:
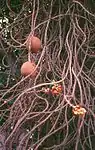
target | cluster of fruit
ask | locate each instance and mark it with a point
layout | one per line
(33, 44)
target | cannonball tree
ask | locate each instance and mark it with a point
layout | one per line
(47, 74)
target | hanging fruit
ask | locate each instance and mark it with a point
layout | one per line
(28, 68)
(33, 44)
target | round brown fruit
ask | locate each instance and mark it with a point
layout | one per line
(28, 68)
(33, 44)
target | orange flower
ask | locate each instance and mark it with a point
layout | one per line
(56, 89)
(78, 110)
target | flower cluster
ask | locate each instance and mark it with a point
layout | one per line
(56, 89)
(78, 110)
